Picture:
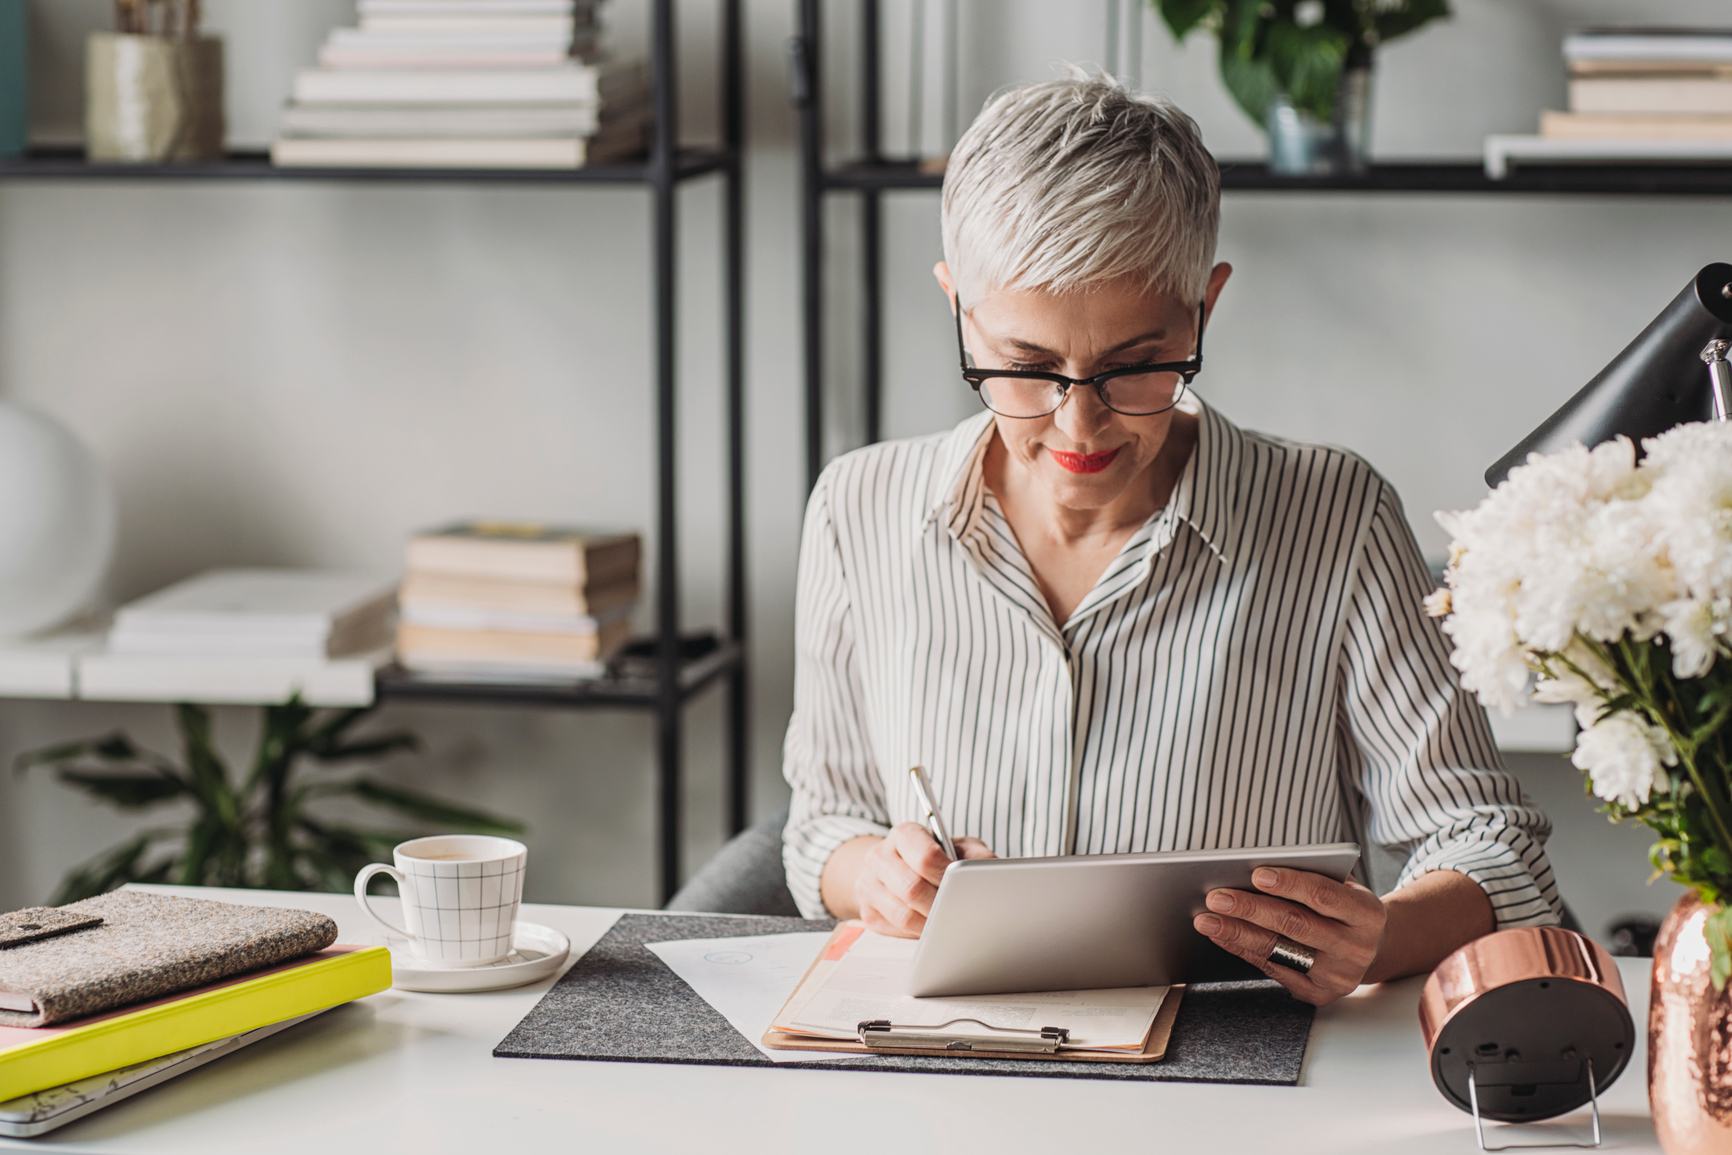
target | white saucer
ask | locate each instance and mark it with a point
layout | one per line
(536, 952)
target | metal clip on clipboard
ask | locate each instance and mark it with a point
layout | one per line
(883, 1035)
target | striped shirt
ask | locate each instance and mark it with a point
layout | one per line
(1253, 669)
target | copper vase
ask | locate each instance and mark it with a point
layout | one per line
(1689, 1039)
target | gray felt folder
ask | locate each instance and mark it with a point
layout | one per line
(620, 1003)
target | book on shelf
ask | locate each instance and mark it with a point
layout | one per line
(454, 56)
(541, 651)
(611, 81)
(461, 56)
(278, 613)
(459, 617)
(1657, 45)
(548, 25)
(40, 1112)
(446, 120)
(527, 552)
(361, 48)
(410, 41)
(434, 671)
(492, 152)
(439, 591)
(1619, 126)
(500, 8)
(1638, 67)
(1688, 95)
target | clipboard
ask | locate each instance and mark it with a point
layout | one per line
(931, 1040)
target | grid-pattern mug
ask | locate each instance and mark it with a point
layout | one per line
(460, 896)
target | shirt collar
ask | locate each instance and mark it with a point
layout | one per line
(1205, 498)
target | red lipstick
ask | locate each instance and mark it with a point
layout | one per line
(1084, 462)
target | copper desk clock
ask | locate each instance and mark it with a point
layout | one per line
(1526, 1024)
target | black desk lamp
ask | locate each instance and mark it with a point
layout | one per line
(1655, 383)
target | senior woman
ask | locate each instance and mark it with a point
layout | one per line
(1106, 619)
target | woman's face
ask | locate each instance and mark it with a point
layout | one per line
(1084, 455)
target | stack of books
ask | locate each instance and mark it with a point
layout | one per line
(247, 635)
(1646, 84)
(506, 84)
(105, 998)
(1636, 95)
(510, 601)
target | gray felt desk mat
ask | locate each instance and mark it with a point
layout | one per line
(621, 1003)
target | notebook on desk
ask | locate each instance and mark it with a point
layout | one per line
(853, 1000)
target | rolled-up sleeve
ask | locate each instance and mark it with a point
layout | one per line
(1419, 749)
(827, 757)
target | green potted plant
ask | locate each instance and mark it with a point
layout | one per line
(153, 88)
(271, 828)
(1302, 68)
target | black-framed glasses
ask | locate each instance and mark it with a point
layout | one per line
(1132, 390)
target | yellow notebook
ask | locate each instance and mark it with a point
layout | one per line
(34, 1058)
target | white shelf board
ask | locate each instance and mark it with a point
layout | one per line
(46, 666)
(75, 665)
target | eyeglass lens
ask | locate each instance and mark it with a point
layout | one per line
(1134, 394)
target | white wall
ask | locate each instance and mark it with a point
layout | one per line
(300, 373)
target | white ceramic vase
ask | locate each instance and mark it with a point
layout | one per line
(57, 523)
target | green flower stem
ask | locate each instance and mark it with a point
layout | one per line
(1685, 746)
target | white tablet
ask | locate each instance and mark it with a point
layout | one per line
(1002, 925)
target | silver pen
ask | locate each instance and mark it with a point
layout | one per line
(934, 820)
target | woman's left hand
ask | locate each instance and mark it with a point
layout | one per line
(1339, 922)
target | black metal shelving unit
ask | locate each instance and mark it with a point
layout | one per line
(869, 175)
(666, 168)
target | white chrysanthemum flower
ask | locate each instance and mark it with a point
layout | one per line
(1560, 548)
(1577, 678)
(1625, 759)
(1699, 632)
(1691, 504)
(1490, 658)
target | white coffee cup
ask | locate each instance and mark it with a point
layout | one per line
(460, 896)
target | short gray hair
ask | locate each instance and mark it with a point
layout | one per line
(1070, 183)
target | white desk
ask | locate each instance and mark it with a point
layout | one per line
(415, 1073)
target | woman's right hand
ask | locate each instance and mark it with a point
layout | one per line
(899, 876)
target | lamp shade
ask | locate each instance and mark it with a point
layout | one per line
(1658, 381)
